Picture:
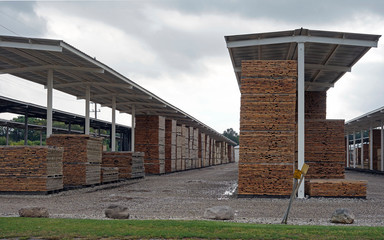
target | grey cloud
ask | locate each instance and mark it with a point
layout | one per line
(19, 18)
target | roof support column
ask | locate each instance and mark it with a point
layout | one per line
(370, 148)
(87, 102)
(347, 137)
(354, 149)
(113, 130)
(301, 111)
(49, 102)
(362, 149)
(133, 125)
(382, 146)
(26, 128)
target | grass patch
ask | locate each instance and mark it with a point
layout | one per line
(50, 228)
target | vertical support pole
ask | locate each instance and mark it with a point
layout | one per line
(133, 124)
(87, 110)
(7, 136)
(370, 148)
(26, 128)
(41, 137)
(362, 149)
(382, 146)
(347, 150)
(113, 130)
(49, 102)
(69, 127)
(354, 149)
(301, 112)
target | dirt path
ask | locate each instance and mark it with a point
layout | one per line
(185, 195)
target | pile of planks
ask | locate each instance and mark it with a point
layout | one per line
(324, 148)
(267, 127)
(336, 188)
(81, 159)
(316, 105)
(31, 169)
(170, 145)
(109, 174)
(129, 164)
(150, 139)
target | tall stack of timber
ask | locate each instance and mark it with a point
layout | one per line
(195, 147)
(179, 147)
(185, 148)
(81, 159)
(212, 155)
(189, 164)
(376, 146)
(267, 127)
(207, 148)
(219, 148)
(323, 151)
(170, 145)
(31, 169)
(150, 139)
(129, 164)
(109, 174)
(202, 149)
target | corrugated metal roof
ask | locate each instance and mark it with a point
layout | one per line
(372, 119)
(31, 58)
(328, 55)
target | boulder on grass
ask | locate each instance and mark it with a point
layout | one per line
(34, 212)
(219, 213)
(116, 212)
(343, 216)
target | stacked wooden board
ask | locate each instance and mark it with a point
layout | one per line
(316, 105)
(170, 145)
(324, 148)
(129, 164)
(267, 127)
(109, 174)
(31, 169)
(336, 188)
(81, 158)
(150, 139)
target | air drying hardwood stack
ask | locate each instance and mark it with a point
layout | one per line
(336, 188)
(170, 145)
(207, 150)
(31, 169)
(129, 164)
(150, 139)
(185, 148)
(324, 148)
(376, 146)
(195, 147)
(109, 174)
(81, 159)
(190, 162)
(179, 147)
(202, 149)
(267, 127)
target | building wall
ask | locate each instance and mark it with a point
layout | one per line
(267, 127)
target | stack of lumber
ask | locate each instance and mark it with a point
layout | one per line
(109, 174)
(81, 159)
(336, 188)
(324, 148)
(316, 105)
(219, 152)
(179, 147)
(206, 154)
(170, 145)
(195, 151)
(185, 148)
(150, 139)
(129, 164)
(267, 127)
(31, 169)
(376, 145)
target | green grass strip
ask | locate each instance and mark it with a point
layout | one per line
(49, 228)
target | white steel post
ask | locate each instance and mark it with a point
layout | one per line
(87, 102)
(371, 148)
(301, 111)
(354, 149)
(347, 150)
(113, 130)
(49, 102)
(133, 123)
(382, 146)
(362, 149)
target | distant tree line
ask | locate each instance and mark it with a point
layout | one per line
(232, 134)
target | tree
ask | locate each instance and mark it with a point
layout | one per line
(232, 134)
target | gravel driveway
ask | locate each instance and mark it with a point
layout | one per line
(185, 195)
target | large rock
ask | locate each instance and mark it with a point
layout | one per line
(219, 213)
(343, 216)
(34, 212)
(117, 212)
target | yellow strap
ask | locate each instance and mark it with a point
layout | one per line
(297, 174)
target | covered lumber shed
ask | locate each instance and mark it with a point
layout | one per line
(283, 78)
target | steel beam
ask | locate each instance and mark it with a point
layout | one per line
(301, 111)
(87, 110)
(113, 130)
(133, 125)
(49, 102)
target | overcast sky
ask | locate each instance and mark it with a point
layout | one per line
(176, 48)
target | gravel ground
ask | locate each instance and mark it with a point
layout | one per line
(185, 195)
